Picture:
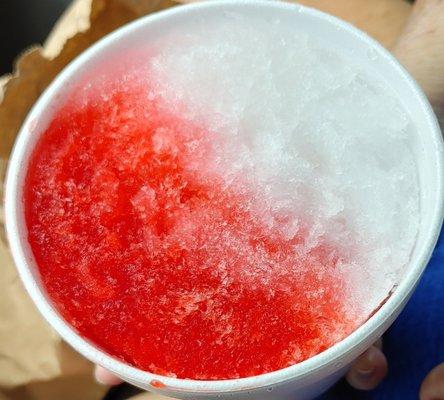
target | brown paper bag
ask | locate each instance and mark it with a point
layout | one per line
(34, 362)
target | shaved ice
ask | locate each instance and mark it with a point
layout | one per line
(224, 203)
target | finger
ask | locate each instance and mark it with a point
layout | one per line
(433, 386)
(378, 344)
(368, 370)
(104, 377)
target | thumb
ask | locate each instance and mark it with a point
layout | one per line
(420, 49)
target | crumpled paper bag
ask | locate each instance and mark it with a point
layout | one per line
(35, 363)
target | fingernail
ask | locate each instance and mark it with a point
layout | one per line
(368, 371)
(105, 377)
(365, 373)
(97, 377)
(366, 365)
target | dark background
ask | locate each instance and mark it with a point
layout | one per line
(23, 23)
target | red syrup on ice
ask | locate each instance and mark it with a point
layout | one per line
(164, 264)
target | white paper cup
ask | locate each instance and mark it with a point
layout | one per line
(309, 378)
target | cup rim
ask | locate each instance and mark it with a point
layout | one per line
(327, 358)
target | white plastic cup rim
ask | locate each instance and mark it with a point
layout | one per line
(315, 368)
